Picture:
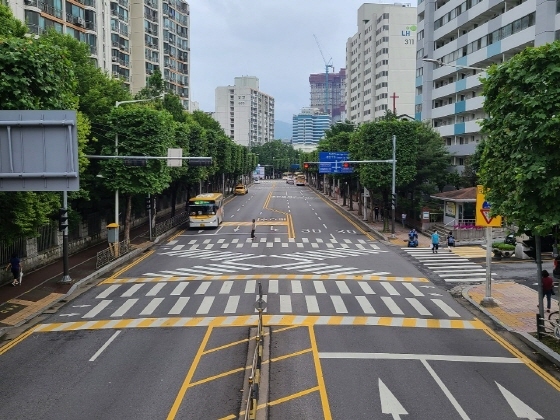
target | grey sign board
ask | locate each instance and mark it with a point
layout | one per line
(38, 151)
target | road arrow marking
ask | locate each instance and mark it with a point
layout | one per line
(428, 287)
(81, 306)
(435, 294)
(68, 314)
(389, 403)
(521, 410)
(236, 229)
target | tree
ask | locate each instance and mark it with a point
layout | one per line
(9, 25)
(520, 162)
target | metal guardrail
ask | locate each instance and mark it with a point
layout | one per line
(255, 376)
(110, 254)
(176, 220)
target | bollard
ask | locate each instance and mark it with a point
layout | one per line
(540, 326)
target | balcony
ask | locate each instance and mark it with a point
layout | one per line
(33, 3)
(51, 10)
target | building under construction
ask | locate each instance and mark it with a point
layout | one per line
(334, 107)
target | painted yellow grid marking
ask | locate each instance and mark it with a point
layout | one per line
(30, 307)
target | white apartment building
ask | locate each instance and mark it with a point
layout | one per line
(244, 112)
(467, 36)
(127, 38)
(380, 62)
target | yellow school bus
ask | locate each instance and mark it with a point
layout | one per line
(206, 210)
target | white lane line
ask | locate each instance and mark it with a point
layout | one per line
(202, 288)
(296, 286)
(104, 346)
(412, 289)
(179, 289)
(342, 287)
(98, 308)
(285, 304)
(366, 306)
(366, 288)
(446, 308)
(390, 288)
(446, 391)
(360, 246)
(421, 309)
(273, 286)
(204, 307)
(391, 305)
(132, 290)
(250, 286)
(231, 305)
(312, 305)
(107, 291)
(154, 290)
(151, 307)
(325, 226)
(226, 287)
(339, 305)
(412, 356)
(319, 286)
(179, 305)
(129, 303)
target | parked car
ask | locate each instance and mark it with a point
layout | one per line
(290, 181)
(241, 189)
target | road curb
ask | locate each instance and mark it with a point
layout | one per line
(527, 338)
(96, 274)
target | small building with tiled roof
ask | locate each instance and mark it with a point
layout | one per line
(459, 206)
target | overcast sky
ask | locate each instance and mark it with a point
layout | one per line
(270, 39)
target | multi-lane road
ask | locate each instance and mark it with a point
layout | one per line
(357, 330)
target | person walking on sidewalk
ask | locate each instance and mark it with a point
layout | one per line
(16, 267)
(376, 212)
(253, 228)
(547, 288)
(435, 242)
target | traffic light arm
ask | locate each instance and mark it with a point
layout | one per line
(370, 161)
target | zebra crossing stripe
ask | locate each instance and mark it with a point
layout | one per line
(231, 305)
(312, 304)
(179, 305)
(367, 277)
(152, 306)
(107, 291)
(133, 289)
(251, 320)
(421, 309)
(129, 303)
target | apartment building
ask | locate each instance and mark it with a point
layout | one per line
(308, 127)
(467, 36)
(329, 94)
(244, 112)
(380, 62)
(127, 38)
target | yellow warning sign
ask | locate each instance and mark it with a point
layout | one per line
(483, 207)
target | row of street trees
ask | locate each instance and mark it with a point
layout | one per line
(55, 71)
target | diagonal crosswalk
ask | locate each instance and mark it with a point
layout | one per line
(450, 266)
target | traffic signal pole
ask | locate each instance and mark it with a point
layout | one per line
(64, 223)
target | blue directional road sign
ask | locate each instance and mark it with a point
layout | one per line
(331, 163)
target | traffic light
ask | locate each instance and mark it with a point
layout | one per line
(148, 203)
(202, 161)
(346, 165)
(306, 166)
(62, 219)
(135, 162)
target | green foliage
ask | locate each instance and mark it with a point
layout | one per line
(502, 246)
(277, 154)
(520, 162)
(9, 25)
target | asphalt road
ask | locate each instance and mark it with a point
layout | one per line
(358, 331)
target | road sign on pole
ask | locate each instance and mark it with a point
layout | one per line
(332, 163)
(483, 207)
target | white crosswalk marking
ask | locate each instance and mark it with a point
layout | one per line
(273, 286)
(151, 307)
(312, 305)
(250, 286)
(179, 305)
(296, 286)
(226, 287)
(133, 289)
(178, 247)
(391, 305)
(285, 304)
(314, 245)
(446, 308)
(202, 288)
(342, 287)
(366, 288)
(105, 293)
(129, 303)
(339, 306)
(231, 305)
(305, 240)
(389, 288)
(180, 288)
(418, 306)
(366, 306)
(319, 286)
(330, 246)
(412, 289)
(221, 241)
(97, 309)
(204, 307)
(154, 290)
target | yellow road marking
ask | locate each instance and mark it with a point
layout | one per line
(293, 396)
(129, 266)
(15, 341)
(287, 356)
(218, 376)
(320, 380)
(268, 320)
(190, 374)
(230, 417)
(179, 233)
(225, 346)
(529, 363)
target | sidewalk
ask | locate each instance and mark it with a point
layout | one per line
(516, 304)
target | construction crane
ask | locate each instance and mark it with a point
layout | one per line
(328, 64)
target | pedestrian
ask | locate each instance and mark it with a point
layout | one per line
(253, 228)
(16, 267)
(376, 211)
(435, 242)
(547, 288)
(450, 240)
(403, 219)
